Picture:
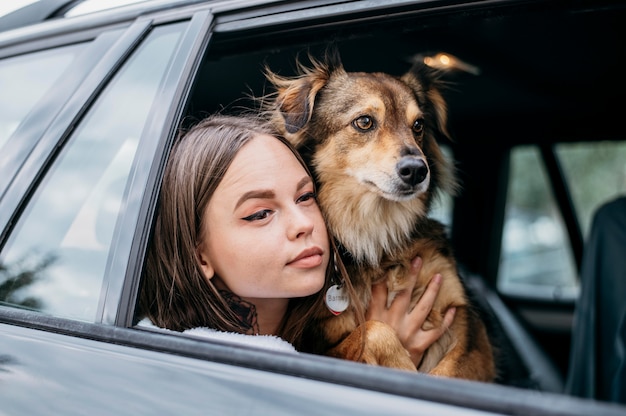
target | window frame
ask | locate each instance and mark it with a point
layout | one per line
(125, 264)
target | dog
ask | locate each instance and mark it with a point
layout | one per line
(371, 142)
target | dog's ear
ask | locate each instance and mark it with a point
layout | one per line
(296, 99)
(292, 106)
(427, 84)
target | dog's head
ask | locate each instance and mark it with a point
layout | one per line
(371, 139)
(378, 130)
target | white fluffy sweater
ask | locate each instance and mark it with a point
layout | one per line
(269, 342)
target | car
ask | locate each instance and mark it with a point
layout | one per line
(92, 102)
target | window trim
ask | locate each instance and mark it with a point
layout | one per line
(125, 263)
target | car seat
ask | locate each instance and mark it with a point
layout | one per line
(597, 367)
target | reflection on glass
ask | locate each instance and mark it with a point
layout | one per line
(25, 79)
(20, 275)
(73, 213)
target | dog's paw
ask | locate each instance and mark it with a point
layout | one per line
(381, 347)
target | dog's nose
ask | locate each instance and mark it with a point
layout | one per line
(412, 170)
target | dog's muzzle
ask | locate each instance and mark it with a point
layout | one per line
(412, 170)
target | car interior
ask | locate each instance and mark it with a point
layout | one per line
(525, 76)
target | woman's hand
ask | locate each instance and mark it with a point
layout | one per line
(408, 323)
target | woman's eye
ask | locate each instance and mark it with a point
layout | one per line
(306, 197)
(363, 123)
(418, 126)
(259, 215)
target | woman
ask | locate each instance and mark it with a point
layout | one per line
(240, 245)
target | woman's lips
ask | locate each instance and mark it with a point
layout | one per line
(311, 257)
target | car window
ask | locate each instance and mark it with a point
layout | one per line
(25, 79)
(595, 172)
(537, 260)
(55, 260)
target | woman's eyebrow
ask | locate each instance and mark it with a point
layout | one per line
(304, 182)
(268, 193)
(256, 194)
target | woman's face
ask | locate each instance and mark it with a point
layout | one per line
(263, 234)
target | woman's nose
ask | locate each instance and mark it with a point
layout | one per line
(301, 223)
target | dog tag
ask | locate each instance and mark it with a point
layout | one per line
(337, 299)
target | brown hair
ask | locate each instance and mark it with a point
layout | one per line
(175, 294)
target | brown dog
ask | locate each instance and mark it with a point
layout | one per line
(371, 140)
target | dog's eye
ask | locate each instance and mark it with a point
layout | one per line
(418, 126)
(363, 123)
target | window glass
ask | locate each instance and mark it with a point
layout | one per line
(536, 260)
(595, 172)
(25, 79)
(56, 257)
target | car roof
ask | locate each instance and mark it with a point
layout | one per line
(20, 13)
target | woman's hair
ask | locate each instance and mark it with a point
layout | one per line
(175, 294)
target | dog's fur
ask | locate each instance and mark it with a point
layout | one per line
(371, 140)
